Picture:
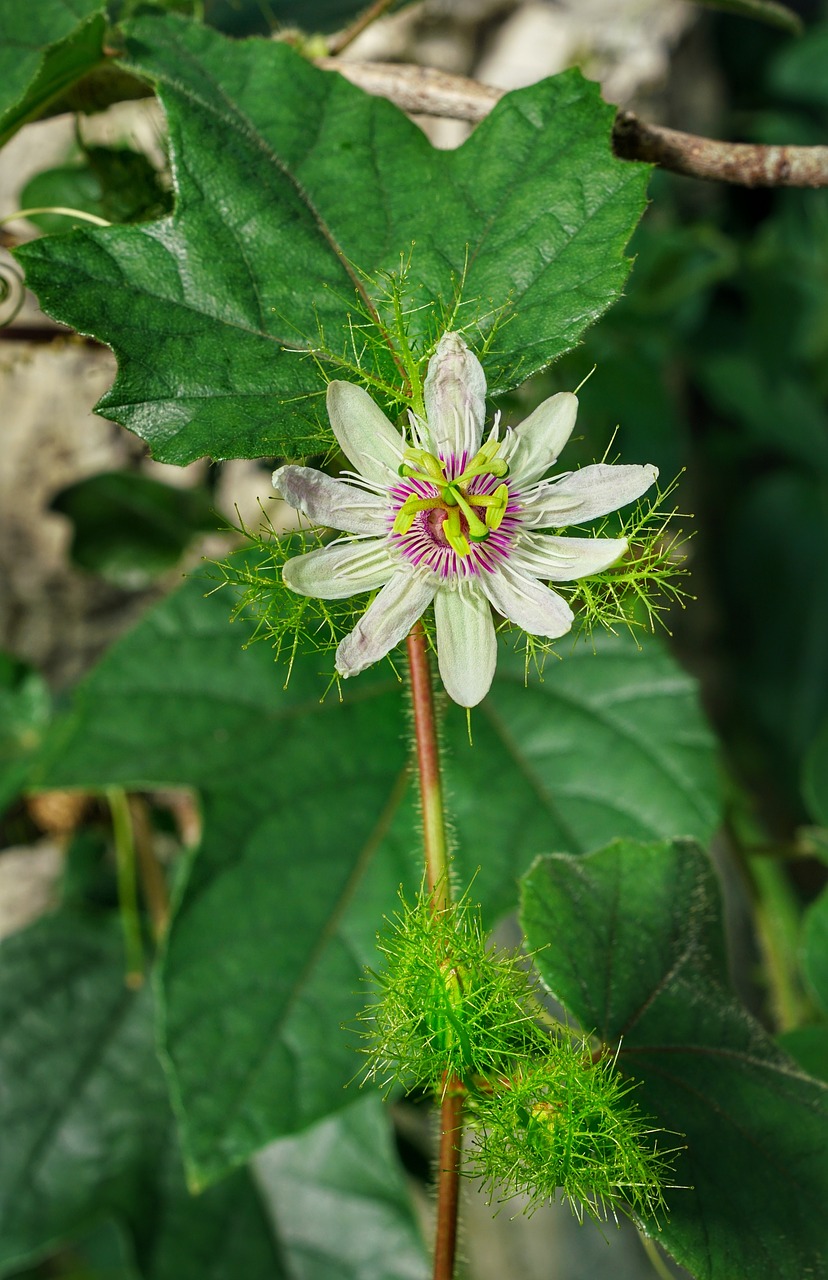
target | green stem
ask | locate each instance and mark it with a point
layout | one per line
(127, 885)
(777, 921)
(435, 841)
(61, 209)
(341, 41)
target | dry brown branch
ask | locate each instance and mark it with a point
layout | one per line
(745, 163)
(421, 91)
(424, 91)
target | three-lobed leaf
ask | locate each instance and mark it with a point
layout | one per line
(296, 191)
(46, 48)
(630, 939)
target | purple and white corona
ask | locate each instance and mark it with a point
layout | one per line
(443, 517)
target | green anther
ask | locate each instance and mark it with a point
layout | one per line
(404, 518)
(410, 508)
(485, 463)
(496, 507)
(426, 462)
(411, 473)
(453, 534)
(478, 531)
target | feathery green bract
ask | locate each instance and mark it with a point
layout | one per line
(547, 1116)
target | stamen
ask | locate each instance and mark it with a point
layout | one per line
(426, 461)
(496, 507)
(484, 463)
(478, 531)
(453, 534)
(409, 509)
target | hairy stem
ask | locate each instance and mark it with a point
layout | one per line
(448, 1184)
(341, 41)
(428, 763)
(437, 873)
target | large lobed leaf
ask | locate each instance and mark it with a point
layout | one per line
(310, 826)
(292, 185)
(87, 1130)
(46, 46)
(87, 1135)
(630, 939)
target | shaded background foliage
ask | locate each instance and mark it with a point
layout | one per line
(713, 361)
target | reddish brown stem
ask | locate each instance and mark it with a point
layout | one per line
(448, 1184)
(437, 867)
(428, 763)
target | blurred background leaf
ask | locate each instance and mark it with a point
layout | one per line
(130, 528)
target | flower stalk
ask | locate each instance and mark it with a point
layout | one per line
(435, 843)
(428, 764)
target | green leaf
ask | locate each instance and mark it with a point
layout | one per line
(77, 1057)
(310, 826)
(630, 939)
(25, 710)
(115, 183)
(815, 948)
(815, 776)
(129, 528)
(46, 47)
(324, 1177)
(87, 1135)
(775, 15)
(809, 1046)
(246, 17)
(274, 241)
(798, 73)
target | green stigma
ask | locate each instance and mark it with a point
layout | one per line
(461, 524)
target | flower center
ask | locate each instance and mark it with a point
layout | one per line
(456, 517)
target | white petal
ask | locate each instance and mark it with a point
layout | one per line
(370, 443)
(455, 397)
(466, 644)
(340, 570)
(538, 440)
(386, 621)
(526, 602)
(334, 503)
(585, 494)
(563, 559)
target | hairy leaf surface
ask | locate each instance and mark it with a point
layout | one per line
(295, 192)
(631, 940)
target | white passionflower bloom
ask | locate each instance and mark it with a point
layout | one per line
(442, 518)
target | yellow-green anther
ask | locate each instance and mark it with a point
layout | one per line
(426, 461)
(453, 534)
(485, 462)
(478, 532)
(496, 507)
(404, 517)
(410, 508)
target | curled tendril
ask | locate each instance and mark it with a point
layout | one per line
(12, 292)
